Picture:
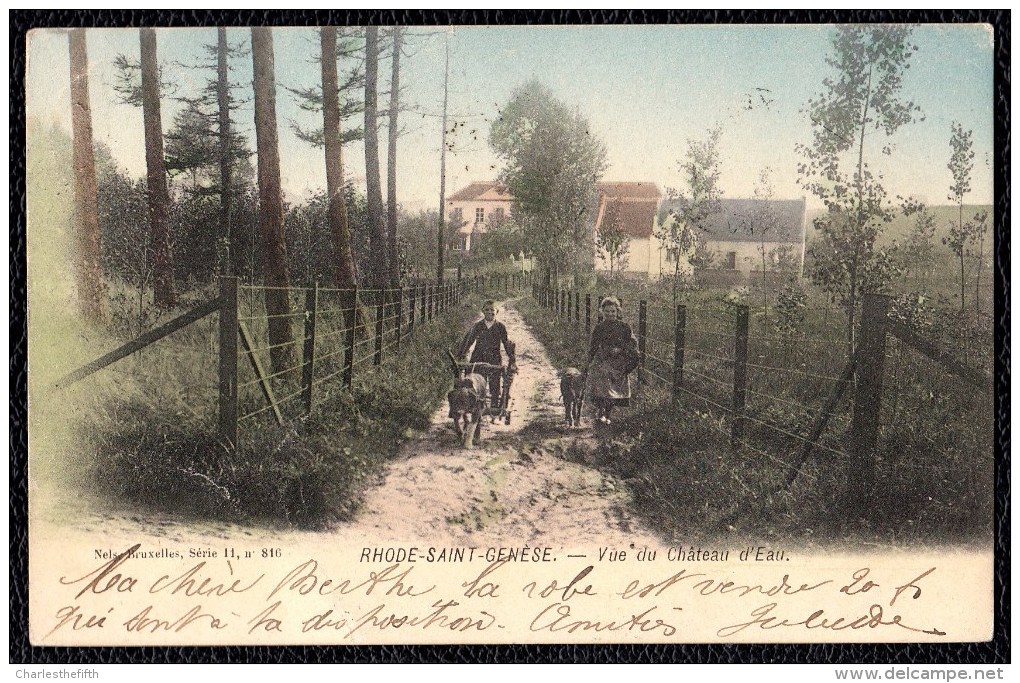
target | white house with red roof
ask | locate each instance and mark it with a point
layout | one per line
(470, 209)
(631, 207)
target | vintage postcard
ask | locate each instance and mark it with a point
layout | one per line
(511, 334)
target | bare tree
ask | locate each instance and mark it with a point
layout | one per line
(281, 336)
(346, 276)
(85, 220)
(223, 103)
(441, 238)
(391, 162)
(376, 220)
(155, 165)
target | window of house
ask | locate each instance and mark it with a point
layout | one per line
(671, 255)
(479, 215)
(457, 215)
(731, 260)
(497, 214)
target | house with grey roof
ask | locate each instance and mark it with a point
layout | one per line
(736, 236)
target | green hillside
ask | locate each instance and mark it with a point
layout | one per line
(899, 229)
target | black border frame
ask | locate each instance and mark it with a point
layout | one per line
(21, 651)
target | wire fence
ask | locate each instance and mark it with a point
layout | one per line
(784, 391)
(319, 339)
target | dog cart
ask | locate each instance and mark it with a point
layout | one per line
(484, 406)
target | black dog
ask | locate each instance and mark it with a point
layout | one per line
(572, 391)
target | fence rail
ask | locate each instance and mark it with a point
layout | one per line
(315, 337)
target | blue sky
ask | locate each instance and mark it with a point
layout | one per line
(645, 90)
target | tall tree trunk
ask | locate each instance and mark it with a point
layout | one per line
(223, 99)
(281, 337)
(391, 163)
(155, 166)
(85, 217)
(963, 279)
(977, 275)
(442, 172)
(345, 273)
(376, 220)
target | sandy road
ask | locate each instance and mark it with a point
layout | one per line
(513, 488)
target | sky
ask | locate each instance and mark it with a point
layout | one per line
(645, 91)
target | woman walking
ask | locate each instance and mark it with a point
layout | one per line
(612, 357)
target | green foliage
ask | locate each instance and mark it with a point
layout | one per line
(965, 239)
(193, 152)
(919, 252)
(552, 165)
(502, 239)
(350, 47)
(862, 98)
(681, 232)
(310, 250)
(612, 242)
(789, 307)
(150, 440)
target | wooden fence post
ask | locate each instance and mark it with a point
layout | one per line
(411, 305)
(228, 361)
(577, 307)
(350, 306)
(642, 339)
(400, 314)
(739, 374)
(868, 394)
(380, 324)
(424, 303)
(308, 374)
(679, 334)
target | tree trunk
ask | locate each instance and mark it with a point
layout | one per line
(281, 337)
(441, 253)
(85, 217)
(963, 287)
(155, 165)
(391, 163)
(223, 99)
(376, 223)
(977, 275)
(345, 273)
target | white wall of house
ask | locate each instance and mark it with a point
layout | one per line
(476, 213)
(746, 256)
(660, 262)
(638, 259)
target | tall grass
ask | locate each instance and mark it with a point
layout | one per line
(147, 433)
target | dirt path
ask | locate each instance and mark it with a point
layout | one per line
(514, 488)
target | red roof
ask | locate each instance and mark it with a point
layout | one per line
(635, 217)
(632, 205)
